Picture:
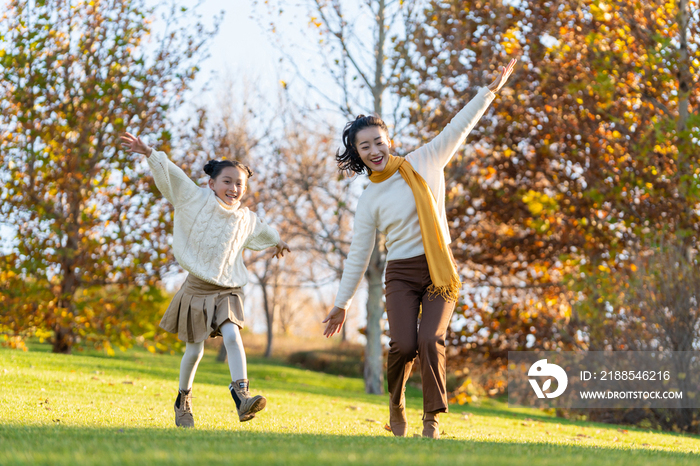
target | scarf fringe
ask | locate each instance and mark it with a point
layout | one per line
(449, 293)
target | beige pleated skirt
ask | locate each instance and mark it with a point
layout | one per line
(200, 308)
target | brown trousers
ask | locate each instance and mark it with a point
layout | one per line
(407, 281)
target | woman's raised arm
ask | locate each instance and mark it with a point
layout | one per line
(438, 152)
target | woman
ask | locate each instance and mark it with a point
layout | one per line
(406, 201)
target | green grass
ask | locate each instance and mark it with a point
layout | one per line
(89, 409)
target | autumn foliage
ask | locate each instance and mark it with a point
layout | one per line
(91, 228)
(588, 155)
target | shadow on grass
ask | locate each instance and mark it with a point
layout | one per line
(58, 445)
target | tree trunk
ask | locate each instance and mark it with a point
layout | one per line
(63, 340)
(374, 357)
(379, 82)
(685, 79)
(63, 336)
(269, 317)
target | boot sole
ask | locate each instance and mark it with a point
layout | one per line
(257, 406)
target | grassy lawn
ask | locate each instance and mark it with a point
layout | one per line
(92, 409)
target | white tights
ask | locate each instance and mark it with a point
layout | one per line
(234, 348)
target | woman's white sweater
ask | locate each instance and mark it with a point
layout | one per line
(208, 235)
(390, 207)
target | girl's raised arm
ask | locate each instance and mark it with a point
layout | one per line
(171, 181)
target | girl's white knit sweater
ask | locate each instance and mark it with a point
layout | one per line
(389, 206)
(208, 235)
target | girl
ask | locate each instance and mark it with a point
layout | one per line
(406, 201)
(211, 230)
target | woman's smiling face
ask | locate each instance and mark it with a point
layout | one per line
(230, 185)
(372, 144)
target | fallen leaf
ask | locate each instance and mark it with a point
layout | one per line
(372, 420)
(622, 430)
(646, 444)
(386, 427)
(354, 408)
(583, 435)
(128, 382)
(615, 439)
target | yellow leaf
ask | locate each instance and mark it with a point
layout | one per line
(536, 207)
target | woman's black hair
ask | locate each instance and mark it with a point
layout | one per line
(349, 160)
(213, 167)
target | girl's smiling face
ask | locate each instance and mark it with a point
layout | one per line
(230, 185)
(372, 144)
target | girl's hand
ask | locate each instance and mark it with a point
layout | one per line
(134, 144)
(335, 319)
(503, 77)
(280, 248)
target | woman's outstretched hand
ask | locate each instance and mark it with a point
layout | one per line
(135, 144)
(280, 248)
(503, 77)
(335, 319)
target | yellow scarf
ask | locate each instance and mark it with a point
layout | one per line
(442, 270)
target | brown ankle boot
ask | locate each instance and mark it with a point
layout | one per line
(431, 427)
(397, 419)
(246, 404)
(183, 409)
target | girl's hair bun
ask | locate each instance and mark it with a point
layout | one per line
(210, 167)
(213, 168)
